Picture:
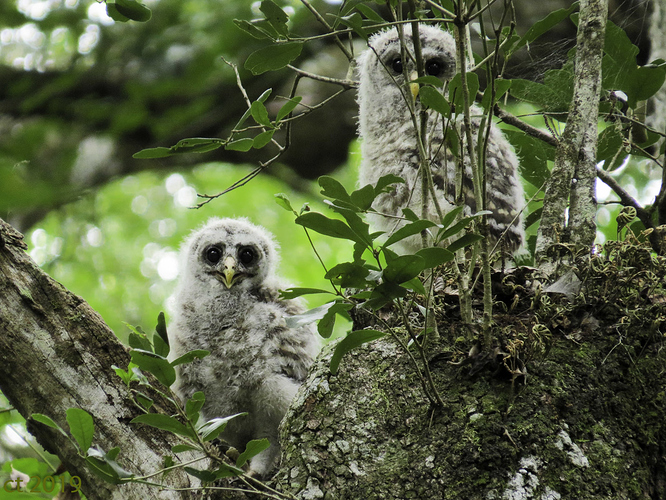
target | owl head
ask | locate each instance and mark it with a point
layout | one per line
(229, 254)
(382, 66)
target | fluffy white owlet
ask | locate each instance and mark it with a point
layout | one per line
(389, 140)
(227, 302)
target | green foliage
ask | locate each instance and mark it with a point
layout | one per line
(386, 277)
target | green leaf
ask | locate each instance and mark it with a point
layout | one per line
(252, 449)
(541, 27)
(348, 275)
(276, 16)
(384, 294)
(332, 188)
(459, 226)
(161, 347)
(252, 29)
(161, 328)
(464, 241)
(212, 428)
(260, 113)
(113, 12)
(262, 139)
(273, 57)
(288, 107)
(243, 145)
(533, 217)
(432, 99)
(125, 376)
(194, 405)
(369, 13)
(133, 10)
(501, 88)
(385, 181)
(282, 200)
(138, 340)
(144, 400)
(351, 341)
(408, 230)
(298, 320)
(534, 156)
(292, 293)
(204, 475)
(428, 80)
(226, 470)
(106, 467)
(435, 256)
(326, 324)
(149, 153)
(363, 197)
(164, 422)
(43, 419)
(403, 268)
(455, 86)
(155, 364)
(190, 356)
(81, 427)
(328, 227)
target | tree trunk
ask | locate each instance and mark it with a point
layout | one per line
(586, 423)
(577, 150)
(57, 354)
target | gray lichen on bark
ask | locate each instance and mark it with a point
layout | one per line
(573, 176)
(57, 353)
(576, 429)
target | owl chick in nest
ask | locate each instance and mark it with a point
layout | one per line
(389, 140)
(227, 302)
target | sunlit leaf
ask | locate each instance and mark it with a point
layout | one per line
(81, 427)
(275, 15)
(292, 293)
(155, 364)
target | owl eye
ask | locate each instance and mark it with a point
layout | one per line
(246, 255)
(396, 65)
(213, 255)
(433, 68)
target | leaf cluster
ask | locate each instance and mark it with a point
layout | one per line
(377, 275)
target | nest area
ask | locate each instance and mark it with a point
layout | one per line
(615, 297)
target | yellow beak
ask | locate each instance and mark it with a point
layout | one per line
(229, 271)
(414, 87)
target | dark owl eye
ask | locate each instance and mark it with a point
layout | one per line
(213, 255)
(396, 65)
(246, 255)
(433, 68)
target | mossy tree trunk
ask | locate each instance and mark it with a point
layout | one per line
(57, 353)
(570, 404)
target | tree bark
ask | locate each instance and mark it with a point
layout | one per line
(576, 154)
(57, 354)
(586, 423)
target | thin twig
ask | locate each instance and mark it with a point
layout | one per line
(346, 84)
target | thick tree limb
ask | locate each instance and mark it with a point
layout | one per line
(576, 154)
(57, 354)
